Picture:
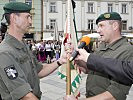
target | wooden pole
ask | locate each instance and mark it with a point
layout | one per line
(68, 79)
(68, 69)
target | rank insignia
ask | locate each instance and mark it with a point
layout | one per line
(11, 72)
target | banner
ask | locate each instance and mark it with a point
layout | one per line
(70, 36)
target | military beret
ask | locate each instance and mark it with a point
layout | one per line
(108, 16)
(16, 7)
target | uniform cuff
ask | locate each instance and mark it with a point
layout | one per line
(39, 67)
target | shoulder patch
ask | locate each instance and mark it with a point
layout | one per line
(11, 72)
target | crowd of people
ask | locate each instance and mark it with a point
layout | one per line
(50, 50)
(45, 51)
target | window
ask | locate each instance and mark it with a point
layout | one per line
(29, 2)
(90, 25)
(12, 0)
(52, 7)
(52, 23)
(124, 25)
(90, 8)
(124, 8)
(110, 7)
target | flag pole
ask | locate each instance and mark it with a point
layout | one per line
(68, 69)
(68, 79)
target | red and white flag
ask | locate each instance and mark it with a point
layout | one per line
(70, 37)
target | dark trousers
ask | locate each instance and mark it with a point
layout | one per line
(0, 97)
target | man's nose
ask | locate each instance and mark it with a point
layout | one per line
(30, 21)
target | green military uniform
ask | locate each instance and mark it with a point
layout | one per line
(98, 82)
(18, 67)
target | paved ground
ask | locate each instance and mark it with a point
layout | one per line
(53, 88)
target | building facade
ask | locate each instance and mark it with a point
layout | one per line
(35, 31)
(86, 13)
(48, 13)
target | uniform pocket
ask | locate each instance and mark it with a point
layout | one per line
(22, 59)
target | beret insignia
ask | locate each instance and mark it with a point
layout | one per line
(107, 16)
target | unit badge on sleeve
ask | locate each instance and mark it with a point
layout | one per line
(11, 72)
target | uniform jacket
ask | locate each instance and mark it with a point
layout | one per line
(18, 70)
(98, 82)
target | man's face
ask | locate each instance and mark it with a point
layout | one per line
(105, 29)
(23, 22)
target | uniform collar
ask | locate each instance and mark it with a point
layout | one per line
(114, 45)
(12, 41)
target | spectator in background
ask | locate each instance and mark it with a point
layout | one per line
(0, 38)
(29, 44)
(34, 48)
(48, 48)
(3, 30)
(57, 50)
(41, 52)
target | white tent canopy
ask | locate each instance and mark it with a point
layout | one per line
(49, 38)
(128, 35)
(93, 35)
(52, 38)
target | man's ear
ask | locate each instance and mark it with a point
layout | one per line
(115, 25)
(13, 18)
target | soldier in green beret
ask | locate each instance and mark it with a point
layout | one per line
(113, 45)
(19, 69)
(101, 86)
